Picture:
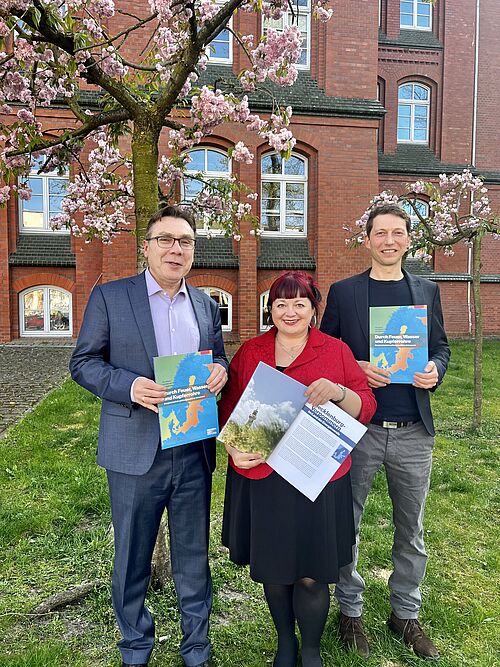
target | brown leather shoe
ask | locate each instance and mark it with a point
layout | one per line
(352, 634)
(413, 635)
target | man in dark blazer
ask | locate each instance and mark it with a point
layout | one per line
(401, 434)
(127, 323)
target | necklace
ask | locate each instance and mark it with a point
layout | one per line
(293, 351)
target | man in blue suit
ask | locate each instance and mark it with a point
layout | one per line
(127, 323)
(401, 434)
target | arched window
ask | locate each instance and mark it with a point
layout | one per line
(284, 194)
(413, 113)
(45, 311)
(207, 164)
(264, 321)
(225, 302)
(300, 17)
(422, 207)
(48, 191)
(415, 15)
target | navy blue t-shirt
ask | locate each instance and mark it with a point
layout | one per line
(395, 402)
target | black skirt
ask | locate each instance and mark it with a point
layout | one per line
(283, 535)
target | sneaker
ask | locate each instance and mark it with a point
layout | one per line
(414, 636)
(352, 634)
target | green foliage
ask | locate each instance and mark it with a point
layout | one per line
(256, 439)
(54, 520)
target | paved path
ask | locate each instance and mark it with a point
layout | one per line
(28, 370)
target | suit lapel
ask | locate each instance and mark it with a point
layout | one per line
(139, 300)
(361, 302)
(416, 289)
(201, 316)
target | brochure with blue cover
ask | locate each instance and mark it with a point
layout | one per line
(398, 341)
(189, 412)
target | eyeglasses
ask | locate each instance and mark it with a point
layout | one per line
(166, 242)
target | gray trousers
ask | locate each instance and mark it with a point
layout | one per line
(406, 454)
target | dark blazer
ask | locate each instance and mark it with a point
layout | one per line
(117, 344)
(346, 317)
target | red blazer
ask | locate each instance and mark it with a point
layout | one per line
(323, 356)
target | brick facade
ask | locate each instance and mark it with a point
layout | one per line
(351, 151)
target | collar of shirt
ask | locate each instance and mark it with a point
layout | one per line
(153, 287)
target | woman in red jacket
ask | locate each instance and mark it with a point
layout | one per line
(295, 547)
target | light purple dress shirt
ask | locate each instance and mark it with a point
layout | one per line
(174, 321)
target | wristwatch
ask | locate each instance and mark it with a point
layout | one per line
(344, 393)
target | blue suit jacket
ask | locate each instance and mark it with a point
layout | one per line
(346, 316)
(117, 344)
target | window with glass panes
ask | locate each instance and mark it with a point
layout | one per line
(415, 15)
(45, 311)
(207, 164)
(225, 303)
(265, 321)
(283, 194)
(48, 191)
(413, 113)
(422, 207)
(300, 17)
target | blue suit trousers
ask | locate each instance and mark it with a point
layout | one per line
(180, 481)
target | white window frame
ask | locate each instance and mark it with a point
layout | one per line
(415, 15)
(263, 325)
(412, 103)
(283, 179)
(229, 59)
(207, 289)
(414, 219)
(45, 178)
(46, 332)
(209, 175)
(288, 20)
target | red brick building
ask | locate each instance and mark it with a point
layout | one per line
(388, 92)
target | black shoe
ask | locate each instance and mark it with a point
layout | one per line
(128, 664)
(352, 634)
(207, 663)
(414, 636)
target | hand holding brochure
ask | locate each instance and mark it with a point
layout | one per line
(189, 411)
(398, 340)
(306, 445)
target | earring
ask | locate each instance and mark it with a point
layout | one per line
(313, 321)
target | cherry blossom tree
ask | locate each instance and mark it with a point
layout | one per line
(459, 212)
(53, 50)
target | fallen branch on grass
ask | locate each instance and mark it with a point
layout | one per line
(66, 597)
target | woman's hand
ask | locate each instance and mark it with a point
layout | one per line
(322, 390)
(244, 460)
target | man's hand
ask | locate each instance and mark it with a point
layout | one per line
(244, 460)
(148, 393)
(428, 379)
(217, 378)
(377, 377)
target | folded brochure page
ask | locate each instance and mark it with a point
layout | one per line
(189, 411)
(305, 445)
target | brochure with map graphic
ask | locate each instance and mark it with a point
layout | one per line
(305, 445)
(189, 412)
(398, 340)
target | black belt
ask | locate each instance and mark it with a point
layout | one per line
(387, 424)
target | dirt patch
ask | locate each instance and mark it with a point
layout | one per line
(381, 574)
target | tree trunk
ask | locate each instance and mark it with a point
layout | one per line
(145, 139)
(478, 332)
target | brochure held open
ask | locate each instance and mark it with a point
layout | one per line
(306, 445)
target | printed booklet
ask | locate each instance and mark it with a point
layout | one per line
(398, 340)
(189, 412)
(305, 445)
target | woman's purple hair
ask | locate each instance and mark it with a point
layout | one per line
(293, 284)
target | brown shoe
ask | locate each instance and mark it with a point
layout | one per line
(413, 635)
(352, 634)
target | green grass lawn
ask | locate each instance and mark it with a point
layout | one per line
(54, 519)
